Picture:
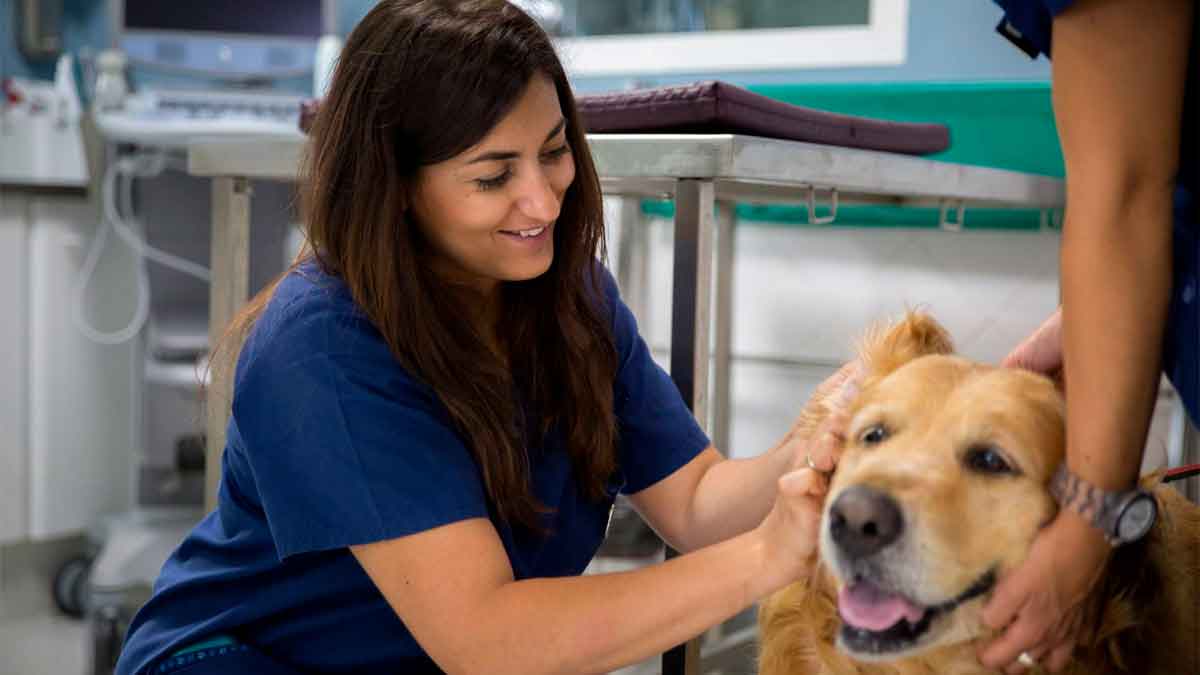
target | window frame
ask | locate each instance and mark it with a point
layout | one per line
(882, 42)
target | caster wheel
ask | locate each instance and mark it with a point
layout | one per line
(70, 586)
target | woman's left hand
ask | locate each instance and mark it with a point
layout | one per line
(1040, 605)
(821, 450)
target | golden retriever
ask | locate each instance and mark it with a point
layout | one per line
(941, 488)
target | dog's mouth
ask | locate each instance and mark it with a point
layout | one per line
(876, 621)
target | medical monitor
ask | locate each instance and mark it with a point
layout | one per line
(235, 39)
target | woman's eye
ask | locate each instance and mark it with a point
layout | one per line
(494, 183)
(986, 460)
(556, 153)
(873, 436)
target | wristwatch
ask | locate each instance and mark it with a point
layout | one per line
(1123, 517)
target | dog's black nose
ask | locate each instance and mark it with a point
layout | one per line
(863, 521)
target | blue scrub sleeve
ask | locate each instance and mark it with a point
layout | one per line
(656, 431)
(1033, 19)
(344, 446)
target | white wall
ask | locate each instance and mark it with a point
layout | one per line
(807, 294)
(14, 238)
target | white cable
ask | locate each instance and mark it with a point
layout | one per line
(140, 314)
(115, 199)
(144, 166)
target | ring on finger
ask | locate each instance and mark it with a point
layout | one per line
(1026, 660)
(808, 459)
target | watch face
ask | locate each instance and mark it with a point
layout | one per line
(1137, 518)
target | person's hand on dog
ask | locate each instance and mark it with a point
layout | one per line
(1040, 605)
(841, 387)
(790, 531)
(1042, 351)
(822, 449)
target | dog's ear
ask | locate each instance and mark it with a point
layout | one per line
(886, 348)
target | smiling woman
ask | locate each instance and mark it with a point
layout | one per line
(436, 407)
(491, 211)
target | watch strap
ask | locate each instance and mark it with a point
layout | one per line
(1096, 506)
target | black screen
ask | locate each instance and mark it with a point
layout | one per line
(281, 18)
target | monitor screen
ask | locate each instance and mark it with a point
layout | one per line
(240, 39)
(276, 18)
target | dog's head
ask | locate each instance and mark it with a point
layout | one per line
(941, 489)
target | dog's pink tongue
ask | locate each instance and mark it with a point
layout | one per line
(865, 606)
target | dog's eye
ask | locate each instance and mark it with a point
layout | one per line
(874, 435)
(987, 460)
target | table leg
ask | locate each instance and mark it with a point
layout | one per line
(228, 292)
(690, 307)
(723, 328)
(691, 301)
(633, 254)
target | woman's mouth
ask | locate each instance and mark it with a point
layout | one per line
(530, 234)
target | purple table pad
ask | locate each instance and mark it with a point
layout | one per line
(721, 108)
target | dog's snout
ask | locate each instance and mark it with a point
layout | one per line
(863, 521)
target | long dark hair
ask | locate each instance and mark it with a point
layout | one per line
(419, 82)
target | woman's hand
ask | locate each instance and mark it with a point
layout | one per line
(1042, 351)
(1040, 605)
(841, 387)
(824, 445)
(791, 530)
(821, 451)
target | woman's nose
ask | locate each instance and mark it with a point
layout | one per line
(537, 199)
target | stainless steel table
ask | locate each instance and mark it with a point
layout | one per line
(704, 174)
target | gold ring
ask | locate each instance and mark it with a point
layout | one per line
(1026, 660)
(813, 465)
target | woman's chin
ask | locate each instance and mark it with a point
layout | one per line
(528, 270)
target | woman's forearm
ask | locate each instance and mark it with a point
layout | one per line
(734, 496)
(1119, 70)
(1116, 276)
(594, 624)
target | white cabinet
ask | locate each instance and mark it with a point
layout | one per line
(69, 435)
(14, 447)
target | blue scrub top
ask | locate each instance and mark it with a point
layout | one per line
(1028, 24)
(331, 444)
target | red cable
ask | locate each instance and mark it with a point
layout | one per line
(1181, 472)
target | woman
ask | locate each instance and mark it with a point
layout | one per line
(1120, 70)
(436, 407)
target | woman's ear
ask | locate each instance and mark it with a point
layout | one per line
(886, 348)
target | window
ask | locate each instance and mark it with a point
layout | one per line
(623, 17)
(631, 37)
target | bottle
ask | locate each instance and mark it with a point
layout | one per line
(111, 87)
(66, 92)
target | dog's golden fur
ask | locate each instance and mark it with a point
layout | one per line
(1145, 618)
